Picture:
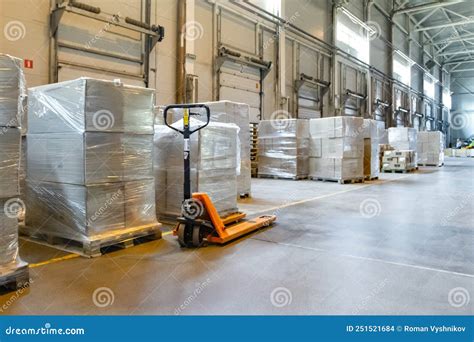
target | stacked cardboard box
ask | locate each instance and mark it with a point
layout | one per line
(374, 134)
(12, 89)
(398, 160)
(402, 138)
(336, 148)
(430, 148)
(382, 148)
(283, 148)
(214, 161)
(236, 113)
(89, 155)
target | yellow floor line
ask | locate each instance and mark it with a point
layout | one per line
(52, 261)
(167, 233)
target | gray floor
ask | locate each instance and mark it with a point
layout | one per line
(399, 245)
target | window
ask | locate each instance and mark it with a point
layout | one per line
(352, 35)
(428, 87)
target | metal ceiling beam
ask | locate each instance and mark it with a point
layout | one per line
(456, 23)
(426, 7)
(452, 53)
(463, 70)
(452, 40)
(456, 62)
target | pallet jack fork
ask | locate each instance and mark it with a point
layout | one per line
(200, 220)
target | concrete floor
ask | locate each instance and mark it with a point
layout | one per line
(399, 245)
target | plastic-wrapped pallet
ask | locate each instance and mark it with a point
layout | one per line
(402, 138)
(374, 133)
(399, 160)
(236, 113)
(215, 163)
(10, 146)
(283, 148)
(430, 148)
(91, 105)
(336, 148)
(12, 91)
(8, 238)
(90, 161)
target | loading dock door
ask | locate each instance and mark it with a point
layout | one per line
(241, 83)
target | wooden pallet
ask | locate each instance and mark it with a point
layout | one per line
(16, 278)
(368, 178)
(279, 177)
(400, 171)
(340, 181)
(244, 196)
(254, 149)
(437, 165)
(97, 245)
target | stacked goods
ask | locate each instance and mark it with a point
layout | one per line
(449, 152)
(89, 154)
(402, 138)
(238, 114)
(463, 152)
(374, 133)
(382, 148)
(430, 148)
(398, 161)
(215, 163)
(12, 89)
(283, 148)
(337, 148)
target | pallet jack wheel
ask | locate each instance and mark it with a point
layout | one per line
(190, 235)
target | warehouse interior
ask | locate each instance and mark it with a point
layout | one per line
(332, 175)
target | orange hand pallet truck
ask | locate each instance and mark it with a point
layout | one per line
(200, 222)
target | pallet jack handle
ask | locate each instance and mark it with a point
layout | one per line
(186, 132)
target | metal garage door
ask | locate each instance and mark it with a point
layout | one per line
(88, 47)
(241, 83)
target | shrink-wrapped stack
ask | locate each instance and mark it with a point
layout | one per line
(337, 148)
(430, 148)
(283, 148)
(89, 156)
